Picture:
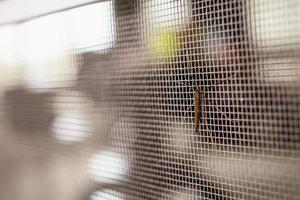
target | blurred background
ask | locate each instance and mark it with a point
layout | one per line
(97, 99)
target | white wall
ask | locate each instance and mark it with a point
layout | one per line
(13, 10)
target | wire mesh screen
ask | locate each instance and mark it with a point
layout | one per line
(152, 99)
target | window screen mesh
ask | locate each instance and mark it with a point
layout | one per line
(152, 99)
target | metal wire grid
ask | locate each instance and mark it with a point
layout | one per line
(219, 50)
(248, 141)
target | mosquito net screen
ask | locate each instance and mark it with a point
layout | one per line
(152, 99)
